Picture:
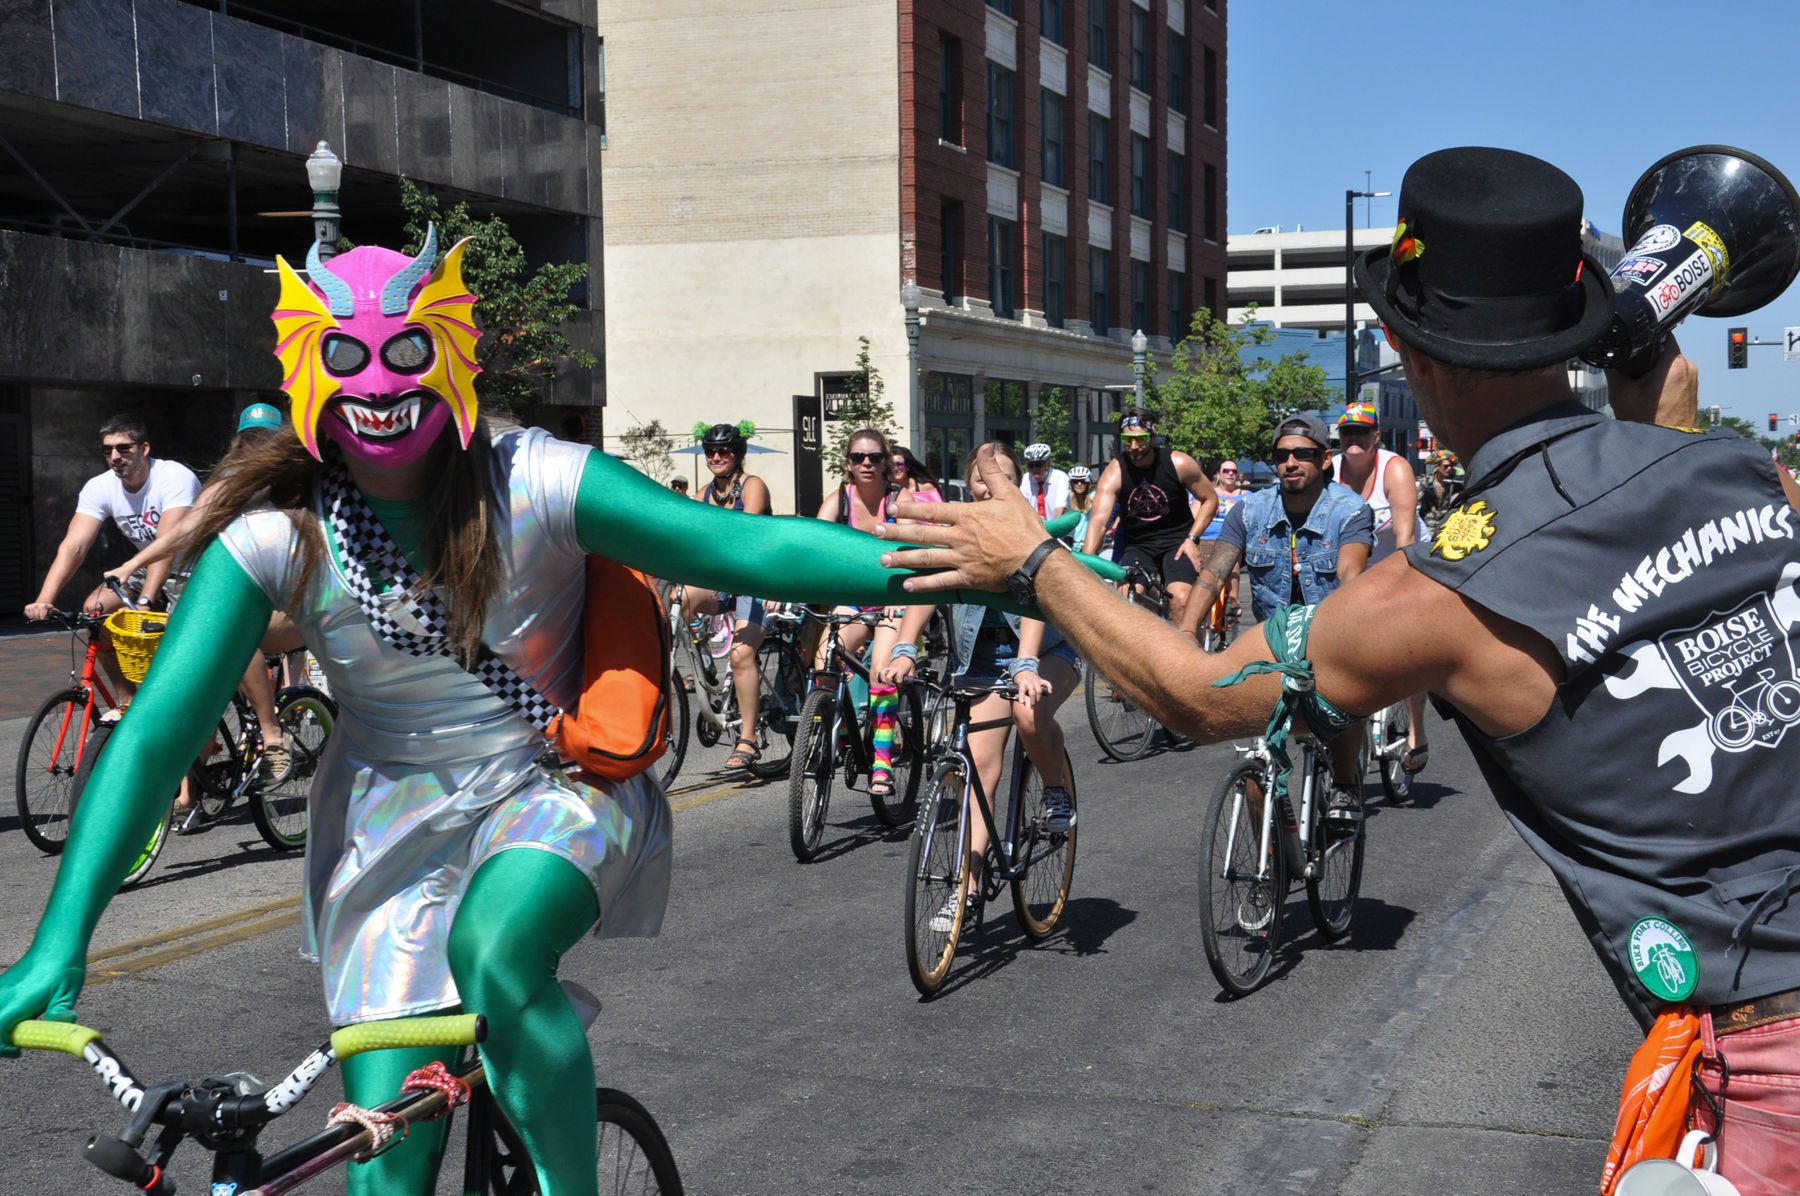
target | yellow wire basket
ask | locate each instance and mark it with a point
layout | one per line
(135, 634)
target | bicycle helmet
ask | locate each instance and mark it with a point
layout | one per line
(1081, 473)
(1036, 452)
(734, 437)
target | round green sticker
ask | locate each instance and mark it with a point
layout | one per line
(1664, 959)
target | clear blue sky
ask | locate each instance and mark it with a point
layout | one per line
(1321, 91)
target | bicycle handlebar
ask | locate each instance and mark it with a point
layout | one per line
(74, 620)
(112, 583)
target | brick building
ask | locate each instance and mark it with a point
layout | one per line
(1050, 173)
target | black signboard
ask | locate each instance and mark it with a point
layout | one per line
(809, 437)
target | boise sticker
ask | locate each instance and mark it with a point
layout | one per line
(1658, 239)
(1664, 960)
(1639, 270)
(1708, 240)
(1469, 528)
(1739, 669)
(1683, 279)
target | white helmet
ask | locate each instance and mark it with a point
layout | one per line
(1036, 452)
(1080, 473)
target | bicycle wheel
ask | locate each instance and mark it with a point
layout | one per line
(1396, 782)
(46, 768)
(279, 808)
(1331, 893)
(1123, 728)
(781, 688)
(936, 863)
(90, 754)
(229, 750)
(809, 782)
(680, 723)
(634, 1157)
(910, 750)
(1240, 912)
(1042, 894)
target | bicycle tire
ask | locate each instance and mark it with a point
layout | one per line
(781, 681)
(937, 857)
(280, 807)
(1331, 892)
(1240, 915)
(45, 772)
(809, 780)
(1123, 729)
(1396, 782)
(1041, 896)
(909, 754)
(633, 1154)
(221, 764)
(90, 754)
(675, 743)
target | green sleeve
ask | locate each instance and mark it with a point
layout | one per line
(217, 625)
(623, 515)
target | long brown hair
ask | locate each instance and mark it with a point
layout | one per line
(462, 551)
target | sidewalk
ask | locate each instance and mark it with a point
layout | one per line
(34, 663)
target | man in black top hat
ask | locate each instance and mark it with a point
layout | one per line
(1574, 600)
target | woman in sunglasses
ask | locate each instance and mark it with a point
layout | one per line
(863, 503)
(913, 478)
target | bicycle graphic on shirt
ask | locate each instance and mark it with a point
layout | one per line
(1764, 703)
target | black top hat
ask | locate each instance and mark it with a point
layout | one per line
(1486, 269)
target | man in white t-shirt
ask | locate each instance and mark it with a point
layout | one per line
(1045, 487)
(137, 493)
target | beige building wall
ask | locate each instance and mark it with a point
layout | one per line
(751, 211)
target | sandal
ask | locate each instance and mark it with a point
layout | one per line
(744, 753)
(882, 786)
(1416, 759)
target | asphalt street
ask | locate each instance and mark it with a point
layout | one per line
(1463, 1040)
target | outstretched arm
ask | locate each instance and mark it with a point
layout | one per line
(623, 515)
(211, 635)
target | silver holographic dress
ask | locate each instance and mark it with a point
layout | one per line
(427, 773)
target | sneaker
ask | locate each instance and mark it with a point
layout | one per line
(1344, 807)
(944, 921)
(276, 761)
(719, 642)
(1059, 813)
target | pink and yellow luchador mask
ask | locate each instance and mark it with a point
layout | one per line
(378, 350)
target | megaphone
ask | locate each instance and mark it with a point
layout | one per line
(1714, 230)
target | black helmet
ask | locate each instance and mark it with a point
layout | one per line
(735, 437)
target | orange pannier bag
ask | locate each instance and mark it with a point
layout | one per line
(1658, 1095)
(620, 725)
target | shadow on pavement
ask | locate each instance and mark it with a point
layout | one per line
(1376, 926)
(1083, 930)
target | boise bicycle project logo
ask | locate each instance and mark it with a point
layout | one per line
(1664, 959)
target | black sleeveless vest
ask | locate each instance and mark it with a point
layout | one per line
(1154, 508)
(1664, 567)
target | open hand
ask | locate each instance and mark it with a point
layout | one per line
(969, 545)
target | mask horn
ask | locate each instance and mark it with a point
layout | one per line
(338, 299)
(395, 295)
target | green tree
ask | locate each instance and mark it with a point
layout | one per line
(1782, 448)
(1215, 404)
(520, 310)
(864, 405)
(1053, 422)
(647, 447)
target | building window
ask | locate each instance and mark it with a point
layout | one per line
(1003, 236)
(1097, 47)
(1001, 6)
(1178, 308)
(1209, 88)
(1053, 139)
(1177, 193)
(1056, 254)
(1177, 73)
(1050, 21)
(1140, 176)
(1099, 296)
(949, 89)
(1210, 296)
(999, 115)
(1209, 201)
(1099, 182)
(951, 248)
(949, 394)
(1140, 294)
(1004, 399)
(1140, 48)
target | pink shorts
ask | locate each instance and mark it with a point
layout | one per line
(1759, 1149)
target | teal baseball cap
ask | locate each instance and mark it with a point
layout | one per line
(259, 415)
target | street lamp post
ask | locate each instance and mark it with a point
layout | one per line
(325, 171)
(1350, 198)
(909, 299)
(1140, 344)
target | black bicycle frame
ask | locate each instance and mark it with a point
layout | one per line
(842, 706)
(1007, 868)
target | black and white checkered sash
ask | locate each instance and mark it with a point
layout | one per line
(372, 560)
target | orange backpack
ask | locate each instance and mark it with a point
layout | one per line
(620, 725)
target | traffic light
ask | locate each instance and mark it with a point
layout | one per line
(1772, 419)
(1737, 348)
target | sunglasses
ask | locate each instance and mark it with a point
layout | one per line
(107, 450)
(719, 452)
(1136, 439)
(899, 464)
(865, 458)
(1223, 472)
(1305, 455)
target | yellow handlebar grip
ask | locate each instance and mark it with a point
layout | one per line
(458, 1030)
(66, 1037)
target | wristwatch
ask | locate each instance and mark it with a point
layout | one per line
(1022, 586)
(1197, 538)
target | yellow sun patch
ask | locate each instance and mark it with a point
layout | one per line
(1469, 528)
